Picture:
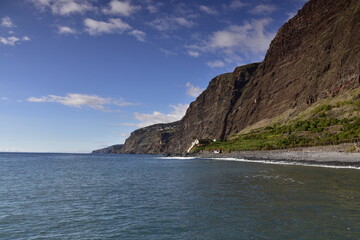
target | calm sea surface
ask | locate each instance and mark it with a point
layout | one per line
(80, 196)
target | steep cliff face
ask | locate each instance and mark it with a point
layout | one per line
(207, 117)
(150, 140)
(315, 55)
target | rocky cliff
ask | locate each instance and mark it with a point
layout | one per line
(112, 149)
(150, 140)
(315, 55)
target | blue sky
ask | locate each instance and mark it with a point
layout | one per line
(78, 75)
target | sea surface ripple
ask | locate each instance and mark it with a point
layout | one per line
(83, 196)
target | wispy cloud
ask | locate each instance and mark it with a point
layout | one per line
(121, 8)
(193, 53)
(113, 25)
(139, 35)
(178, 111)
(192, 90)
(216, 64)
(12, 40)
(171, 23)
(207, 9)
(64, 7)
(4, 98)
(237, 4)
(153, 7)
(9, 40)
(94, 27)
(77, 100)
(263, 9)
(6, 22)
(66, 30)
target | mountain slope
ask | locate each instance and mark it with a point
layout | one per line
(314, 56)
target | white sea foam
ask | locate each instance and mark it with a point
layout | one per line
(267, 162)
(284, 163)
(184, 158)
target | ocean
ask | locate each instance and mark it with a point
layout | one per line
(84, 196)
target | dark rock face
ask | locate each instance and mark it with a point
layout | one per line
(315, 55)
(112, 149)
(150, 140)
(207, 117)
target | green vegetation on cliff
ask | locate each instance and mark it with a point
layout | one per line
(325, 124)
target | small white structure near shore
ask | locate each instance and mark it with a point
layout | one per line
(198, 142)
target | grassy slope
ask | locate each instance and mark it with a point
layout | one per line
(330, 121)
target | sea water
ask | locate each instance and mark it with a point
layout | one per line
(83, 196)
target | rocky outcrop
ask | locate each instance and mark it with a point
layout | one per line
(150, 140)
(315, 55)
(112, 149)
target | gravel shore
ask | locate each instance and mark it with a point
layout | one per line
(305, 157)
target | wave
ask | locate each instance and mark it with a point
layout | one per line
(285, 163)
(184, 158)
(273, 162)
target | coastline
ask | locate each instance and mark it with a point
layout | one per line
(315, 158)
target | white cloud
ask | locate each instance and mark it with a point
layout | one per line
(161, 24)
(4, 99)
(122, 8)
(12, 40)
(122, 103)
(139, 35)
(94, 27)
(207, 9)
(66, 30)
(113, 25)
(216, 64)
(38, 100)
(64, 7)
(152, 8)
(237, 4)
(263, 9)
(250, 39)
(178, 111)
(171, 23)
(184, 22)
(77, 100)
(193, 53)
(192, 90)
(6, 22)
